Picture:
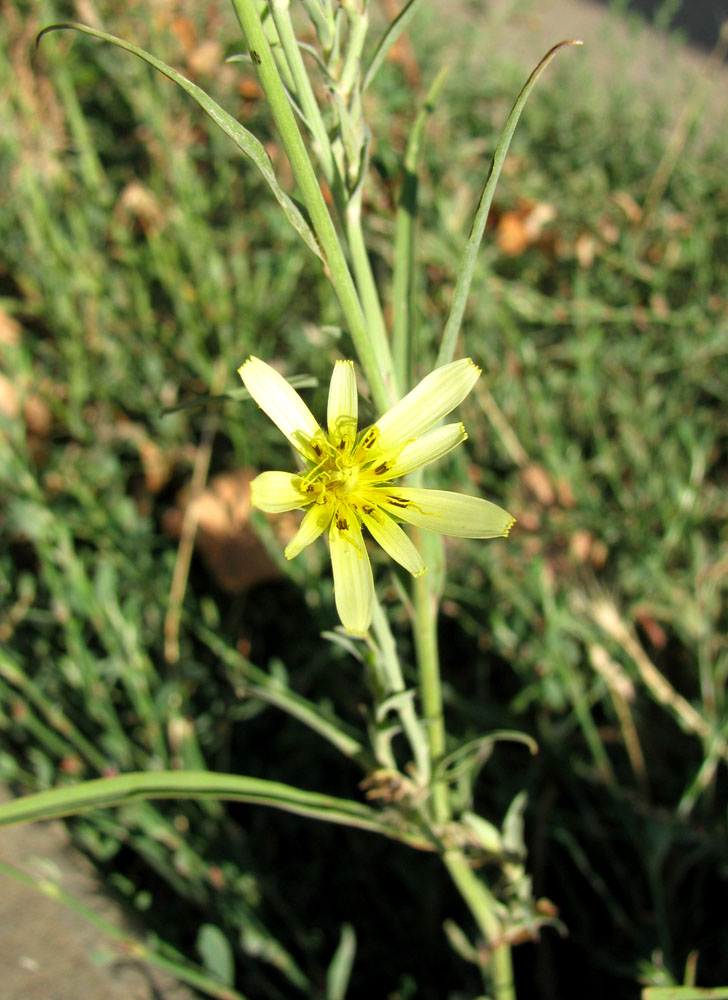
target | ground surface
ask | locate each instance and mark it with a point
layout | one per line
(46, 951)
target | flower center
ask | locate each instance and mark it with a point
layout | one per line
(346, 479)
(337, 474)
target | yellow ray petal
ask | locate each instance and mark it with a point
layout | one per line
(353, 581)
(343, 410)
(426, 449)
(276, 492)
(436, 395)
(447, 513)
(280, 401)
(314, 524)
(393, 540)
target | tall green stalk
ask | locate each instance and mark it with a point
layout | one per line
(478, 898)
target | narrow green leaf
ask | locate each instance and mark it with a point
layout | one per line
(460, 943)
(513, 825)
(467, 266)
(119, 790)
(243, 139)
(339, 970)
(474, 752)
(233, 395)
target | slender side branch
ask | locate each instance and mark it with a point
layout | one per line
(465, 274)
(372, 349)
(403, 276)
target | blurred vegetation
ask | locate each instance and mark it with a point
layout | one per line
(140, 261)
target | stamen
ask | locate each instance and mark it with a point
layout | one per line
(314, 473)
(369, 438)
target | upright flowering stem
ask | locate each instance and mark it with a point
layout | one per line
(347, 487)
(364, 276)
(411, 725)
(475, 893)
(428, 664)
(371, 346)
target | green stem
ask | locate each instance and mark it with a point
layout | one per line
(274, 40)
(428, 664)
(371, 347)
(483, 905)
(480, 901)
(351, 213)
(364, 277)
(358, 27)
(395, 682)
(304, 90)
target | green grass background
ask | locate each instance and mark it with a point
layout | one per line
(140, 257)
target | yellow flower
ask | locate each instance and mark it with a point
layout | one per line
(347, 480)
